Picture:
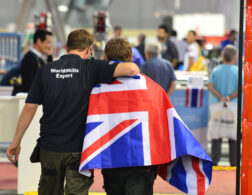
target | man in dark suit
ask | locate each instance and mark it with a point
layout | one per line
(141, 45)
(39, 54)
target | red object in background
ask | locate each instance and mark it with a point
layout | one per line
(246, 168)
(100, 22)
(215, 40)
(42, 20)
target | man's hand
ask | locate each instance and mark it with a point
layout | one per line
(23, 123)
(191, 61)
(223, 99)
(13, 152)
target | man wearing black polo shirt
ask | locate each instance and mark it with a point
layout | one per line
(63, 88)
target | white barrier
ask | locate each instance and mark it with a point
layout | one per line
(10, 108)
(8, 117)
(28, 173)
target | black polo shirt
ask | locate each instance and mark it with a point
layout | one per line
(63, 88)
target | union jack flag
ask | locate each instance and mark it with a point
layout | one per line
(132, 122)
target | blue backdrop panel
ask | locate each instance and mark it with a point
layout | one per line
(194, 118)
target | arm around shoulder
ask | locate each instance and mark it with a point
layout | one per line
(126, 69)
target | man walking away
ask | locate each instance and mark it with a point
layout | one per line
(63, 88)
(126, 180)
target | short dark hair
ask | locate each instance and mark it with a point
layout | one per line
(118, 49)
(41, 34)
(117, 28)
(232, 32)
(141, 37)
(193, 32)
(164, 27)
(79, 39)
(173, 33)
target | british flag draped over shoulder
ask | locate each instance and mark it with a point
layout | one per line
(132, 122)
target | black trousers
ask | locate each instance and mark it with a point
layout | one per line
(216, 151)
(130, 180)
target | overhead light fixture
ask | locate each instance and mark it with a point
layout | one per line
(177, 4)
(62, 8)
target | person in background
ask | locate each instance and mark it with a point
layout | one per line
(181, 47)
(40, 54)
(201, 43)
(117, 31)
(193, 50)
(6, 80)
(126, 180)
(169, 51)
(63, 88)
(230, 40)
(141, 45)
(137, 57)
(158, 69)
(223, 85)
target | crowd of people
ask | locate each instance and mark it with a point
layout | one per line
(182, 54)
(63, 120)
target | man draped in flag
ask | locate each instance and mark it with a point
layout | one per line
(137, 180)
(133, 133)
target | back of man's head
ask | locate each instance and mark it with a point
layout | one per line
(117, 31)
(79, 39)
(232, 33)
(174, 33)
(229, 53)
(118, 49)
(117, 28)
(40, 34)
(154, 48)
(141, 38)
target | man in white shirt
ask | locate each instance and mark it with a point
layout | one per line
(193, 51)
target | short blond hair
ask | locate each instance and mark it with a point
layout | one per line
(79, 39)
(118, 49)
